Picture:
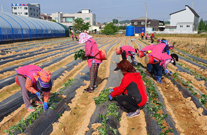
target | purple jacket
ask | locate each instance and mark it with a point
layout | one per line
(91, 49)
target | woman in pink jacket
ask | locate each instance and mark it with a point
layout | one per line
(161, 61)
(35, 80)
(91, 51)
(73, 35)
(128, 51)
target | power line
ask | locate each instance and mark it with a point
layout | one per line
(97, 7)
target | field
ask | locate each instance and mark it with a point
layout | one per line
(176, 107)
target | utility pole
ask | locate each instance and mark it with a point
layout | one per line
(192, 4)
(118, 21)
(1, 7)
(146, 19)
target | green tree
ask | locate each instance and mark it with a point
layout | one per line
(110, 29)
(201, 26)
(115, 21)
(122, 27)
(85, 26)
(53, 20)
(206, 26)
(80, 25)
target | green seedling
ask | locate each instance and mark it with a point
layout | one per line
(80, 54)
(10, 133)
(102, 97)
(69, 82)
(59, 115)
(203, 99)
(111, 111)
(5, 131)
(52, 107)
(22, 121)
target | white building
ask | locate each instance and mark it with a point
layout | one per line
(68, 19)
(183, 21)
(29, 10)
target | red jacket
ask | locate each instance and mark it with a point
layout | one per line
(132, 85)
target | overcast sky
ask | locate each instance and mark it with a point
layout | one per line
(106, 10)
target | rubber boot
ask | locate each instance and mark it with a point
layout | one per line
(159, 79)
(156, 78)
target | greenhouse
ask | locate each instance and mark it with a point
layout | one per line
(20, 28)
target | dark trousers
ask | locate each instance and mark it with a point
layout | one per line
(157, 69)
(25, 93)
(152, 40)
(127, 102)
(93, 74)
(149, 67)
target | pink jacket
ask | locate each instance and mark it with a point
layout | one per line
(164, 59)
(158, 50)
(28, 71)
(72, 34)
(91, 49)
(128, 49)
(149, 47)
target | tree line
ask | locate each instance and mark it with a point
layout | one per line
(202, 27)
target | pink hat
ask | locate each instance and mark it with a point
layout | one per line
(83, 37)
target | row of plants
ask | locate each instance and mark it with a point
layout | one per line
(24, 123)
(198, 76)
(111, 111)
(143, 42)
(192, 59)
(202, 98)
(154, 106)
(196, 55)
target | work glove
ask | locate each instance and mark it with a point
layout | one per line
(45, 106)
(38, 95)
(134, 63)
(111, 90)
(110, 97)
(170, 73)
(166, 71)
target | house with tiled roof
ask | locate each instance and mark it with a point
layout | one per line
(183, 21)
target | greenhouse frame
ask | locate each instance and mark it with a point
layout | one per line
(20, 28)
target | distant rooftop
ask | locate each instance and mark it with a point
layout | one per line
(185, 9)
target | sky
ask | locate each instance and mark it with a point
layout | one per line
(107, 10)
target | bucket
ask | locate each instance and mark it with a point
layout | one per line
(118, 51)
(16, 80)
(149, 59)
(171, 47)
(141, 54)
(103, 55)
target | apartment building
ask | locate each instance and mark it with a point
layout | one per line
(68, 19)
(29, 10)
